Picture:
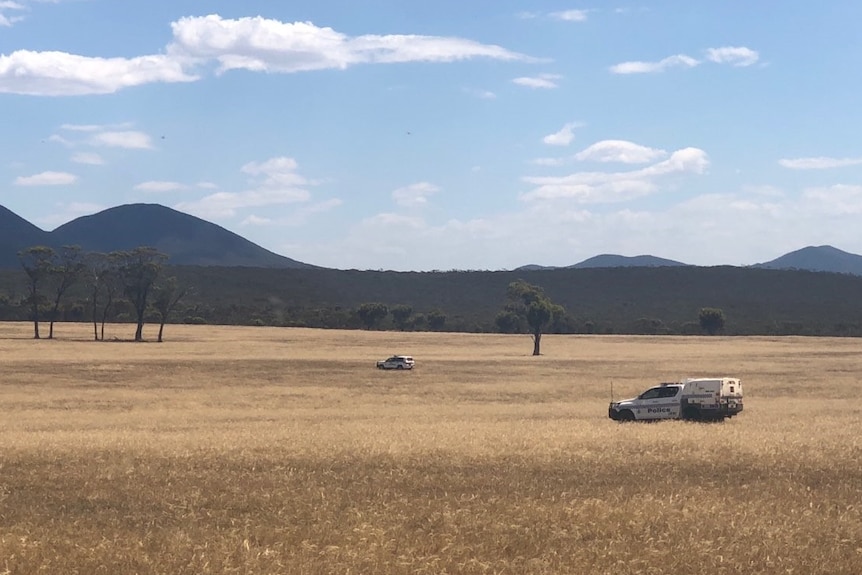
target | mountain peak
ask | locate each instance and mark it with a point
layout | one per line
(186, 239)
(618, 261)
(819, 259)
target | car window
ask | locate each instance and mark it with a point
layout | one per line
(670, 391)
(651, 393)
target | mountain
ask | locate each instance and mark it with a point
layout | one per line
(609, 261)
(16, 233)
(817, 259)
(186, 239)
(616, 261)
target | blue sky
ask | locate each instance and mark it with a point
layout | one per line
(444, 135)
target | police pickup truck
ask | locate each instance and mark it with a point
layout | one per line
(697, 399)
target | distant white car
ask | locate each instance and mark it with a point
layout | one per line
(396, 362)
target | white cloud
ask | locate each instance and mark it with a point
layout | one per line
(394, 220)
(88, 158)
(731, 228)
(481, 94)
(275, 182)
(279, 172)
(738, 56)
(253, 220)
(840, 199)
(226, 204)
(58, 139)
(819, 163)
(414, 195)
(96, 127)
(544, 81)
(303, 213)
(676, 61)
(252, 43)
(734, 55)
(548, 161)
(8, 21)
(608, 187)
(207, 185)
(564, 137)
(62, 74)
(127, 139)
(160, 186)
(47, 179)
(621, 151)
(692, 160)
(261, 44)
(571, 15)
(67, 212)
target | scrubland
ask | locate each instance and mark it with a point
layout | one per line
(274, 450)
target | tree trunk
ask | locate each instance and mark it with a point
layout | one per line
(161, 329)
(537, 342)
(53, 317)
(139, 332)
(35, 318)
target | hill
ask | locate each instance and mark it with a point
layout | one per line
(16, 233)
(609, 261)
(616, 261)
(817, 258)
(186, 239)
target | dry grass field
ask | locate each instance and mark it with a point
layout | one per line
(271, 450)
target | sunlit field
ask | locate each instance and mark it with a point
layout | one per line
(275, 450)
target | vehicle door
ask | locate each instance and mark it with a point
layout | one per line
(658, 403)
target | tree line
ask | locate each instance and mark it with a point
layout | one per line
(477, 302)
(133, 276)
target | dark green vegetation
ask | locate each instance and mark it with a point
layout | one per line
(601, 300)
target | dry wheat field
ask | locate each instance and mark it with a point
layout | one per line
(276, 450)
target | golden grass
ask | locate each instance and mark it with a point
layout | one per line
(268, 450)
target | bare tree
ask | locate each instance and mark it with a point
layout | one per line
(36, 261)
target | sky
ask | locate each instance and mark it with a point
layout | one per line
(468, 135)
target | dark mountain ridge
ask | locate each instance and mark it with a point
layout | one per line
(616, 261)
(192, 241)
(817, 259)
(188, 240)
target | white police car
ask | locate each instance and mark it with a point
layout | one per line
(397, 362)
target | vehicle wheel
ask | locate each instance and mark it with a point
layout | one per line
(400, 367)
(627, 415)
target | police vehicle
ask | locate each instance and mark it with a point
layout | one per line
(697, 399)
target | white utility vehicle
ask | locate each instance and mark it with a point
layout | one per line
(397, 362)
(698, 399)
